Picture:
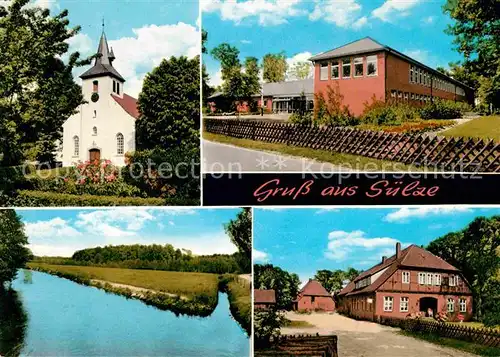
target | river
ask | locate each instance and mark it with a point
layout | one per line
(48, 316)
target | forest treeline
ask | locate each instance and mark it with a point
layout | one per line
(155, 257)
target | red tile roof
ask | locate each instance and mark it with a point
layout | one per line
(261, 296)
(128, 103)
(413, 257)
(314, 288)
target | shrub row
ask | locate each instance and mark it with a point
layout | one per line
(51, 199)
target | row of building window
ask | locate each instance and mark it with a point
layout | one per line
(420, 76)
(362, 283)
(116, 87)
(430, 279)
(120, 144)
(395, 94)
(350, 68)
(404, 304)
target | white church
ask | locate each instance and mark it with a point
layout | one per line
(104, 127)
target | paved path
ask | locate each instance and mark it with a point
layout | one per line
(368, 339)
(219, 157)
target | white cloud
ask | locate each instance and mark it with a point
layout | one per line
(360, 23)
(405, 213)
(66, 250)
(342, 244)
(107, 222)
(172, 223)
(299, 57)
(267, 12)
(81, 43)
(393, 8)
(215, 79)
(428, 20)
(44, 4)
(327, 210)
(342, 13)
(246, 42)
(260, 256)
(54, 228)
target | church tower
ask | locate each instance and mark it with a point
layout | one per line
(102, 79)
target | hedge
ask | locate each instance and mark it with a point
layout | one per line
(53, 199)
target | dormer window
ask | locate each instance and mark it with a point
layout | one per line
(95, 86)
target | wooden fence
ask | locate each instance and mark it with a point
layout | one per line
(304, 345)
(442, 153)
(484, 336)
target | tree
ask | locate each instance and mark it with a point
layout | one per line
(476, 28)
(285, 284)
(227, 55)
(333, 281)
(169, 104)
(13, 253)
(204, 39)
(475, 251)
(301, 70)
(239, 231)
(267, 325)
(37, 90)
(274, 67)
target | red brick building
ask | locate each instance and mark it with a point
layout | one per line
(264, 299)
(411, 281)
(366, 68)
(313, 296)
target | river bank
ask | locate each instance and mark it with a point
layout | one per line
(201, 302)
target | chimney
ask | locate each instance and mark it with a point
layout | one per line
(398, 250)
(384, 258)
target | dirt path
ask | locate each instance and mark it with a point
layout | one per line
(136, 291)
(368, 339)
(247, 277)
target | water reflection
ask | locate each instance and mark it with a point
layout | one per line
(13, 322)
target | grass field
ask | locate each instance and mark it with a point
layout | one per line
(353, 162)
(240, 299)
(485, 128)
(179, 283)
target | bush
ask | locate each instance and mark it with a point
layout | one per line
(379, 112)
(305, 118)
(52, 199)
(165, 173)
(330, 110)
(443, 109)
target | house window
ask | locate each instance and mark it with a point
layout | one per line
(400, 95)
(393, 93)
(406, 277)
(403, 304)
(407, 95)
(463, 305)
(94, 130)
(371, 64)
(420, 74)
(346, 68)
(335, 70)
(421, 278)
(358, 67)
(95, 86)
(453, 281)
(429, 279)
(117, 87)
(119, 144)
(413, 96)
(451, 305)
(437, 279)
(388, 301)
(76, 143)
(323, 74)
(414, 74)
(313, 298)
(114, 86)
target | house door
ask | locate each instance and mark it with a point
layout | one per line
(427, 303)
(94, 154)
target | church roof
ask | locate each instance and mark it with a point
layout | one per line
(103, 64)
(128, 103)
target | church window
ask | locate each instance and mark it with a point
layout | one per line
(94, 130)
(76, 142)
(114, 86)
(119, 144)
(95, 86)
(117, 87)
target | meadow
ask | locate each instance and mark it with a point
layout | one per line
(188, 285)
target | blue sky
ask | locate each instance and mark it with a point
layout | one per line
(303, 241)
(303, 28)
(63, 231)
(141, 32)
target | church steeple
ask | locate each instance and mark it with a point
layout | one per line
(103, 64)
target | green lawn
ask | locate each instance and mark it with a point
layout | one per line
(485, 128)
(179, 283)
(297, 324)
(474, 348)
(348, 161)
(240, 298)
